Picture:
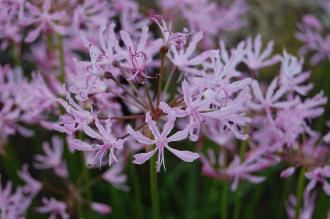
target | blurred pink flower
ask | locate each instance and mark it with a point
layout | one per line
(32, 186)
(319, 175)
(74, 119)
(52, 158)
(288, 172)
(257, 59)
(55, 209)
(14, 205)
(292, 75)
(256, 161)
(311, 35)
(101, 208)
(115, 176)
(306, 211)
(271, 100)
(44, 19)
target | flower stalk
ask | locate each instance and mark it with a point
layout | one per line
(163, 52)
(299, 192)
(154, 189)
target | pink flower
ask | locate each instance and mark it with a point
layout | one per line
(257, 59)
(54, 208)
(115, 176)
(84, 80)
(292, 76)
(138, 55)
(133, 57)
(73, 120)
(306, 211)
(257, 160)
(291, 122)
(14, 205)
(311, 34)
(193, 108)
(89, 14)
(319, 175)
(272, 99)
(312, 21)
(130, 18)
(32, 186)
(10, 29)
(102, 57)
(52, 158)
(185, 58)
(208, 20)
(161, 141)
(45, 20)
(139, 61)
(98, 151)
(169, 38)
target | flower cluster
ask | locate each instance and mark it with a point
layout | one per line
(122, 94)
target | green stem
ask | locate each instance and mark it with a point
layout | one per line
(161, 74)
(117, 203)
(136, 188)
(85, 177)
(50, 43)
(284, 195)
(224, 201)
(237, 204)
(154, 189)
(299, 192)
(80, 210)
(10, 163)
(146, 90)
(242, 150)
(169, 80)
(16, 54)
(61, 57)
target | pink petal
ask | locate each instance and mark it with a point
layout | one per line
(187, 156)
(139, 137)
(143, 157)
(101, 208)
(46, 6)
(80, 145)
(287, 172)
(180, 135)
(255, 179)
(33, 35)
(152, 125)
(326, 188)
(311, 185)
(169, 124)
